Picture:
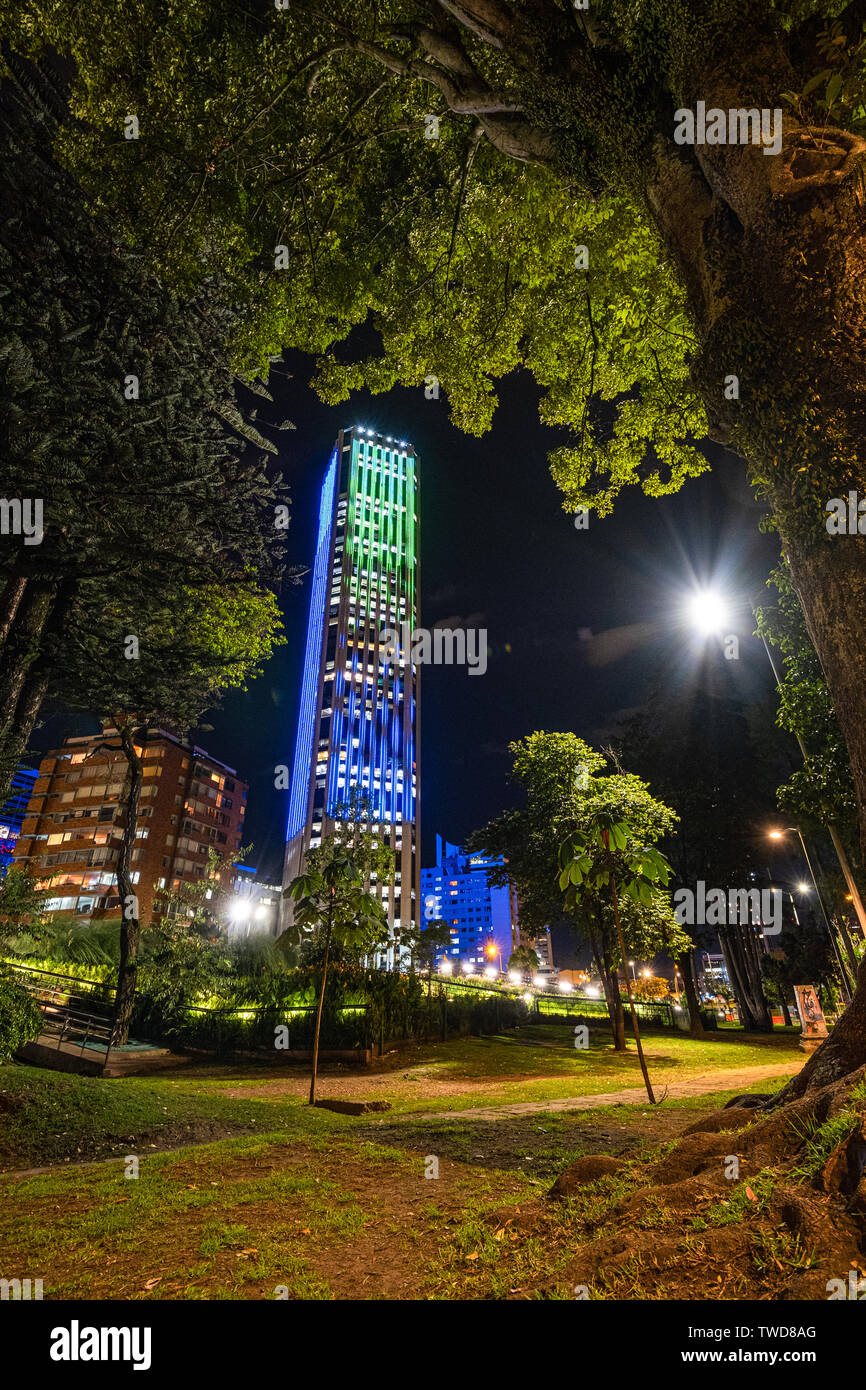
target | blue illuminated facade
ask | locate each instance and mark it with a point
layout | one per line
(360, 700)
(12, 814)
(482, 918)
(310, 683)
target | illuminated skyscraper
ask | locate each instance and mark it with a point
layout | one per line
(360, 701)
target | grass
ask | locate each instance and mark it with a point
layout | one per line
(539, 1062)
(51, 1117)
(254, 1195)
(745, 1199)
(822, 1142)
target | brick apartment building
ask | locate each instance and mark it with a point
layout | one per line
(189, 803)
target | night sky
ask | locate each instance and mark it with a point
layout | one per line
(497, 550)
(581, 624)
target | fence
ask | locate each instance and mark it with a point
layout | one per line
(569, 1007)
(67, 1014)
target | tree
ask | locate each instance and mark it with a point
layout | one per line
(611, 848)
(333, 902)
(22, 902)
(431, 942)
(652, 989)
(183, 950)
(185, 659)
(525, 961)
(118, 417)
(341, 911)
(566, 219)
(819, 794)
(558, 774)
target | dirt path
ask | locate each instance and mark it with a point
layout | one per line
(675, 1090)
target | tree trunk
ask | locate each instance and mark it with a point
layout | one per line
(23, 645)
(18, 720)
(739, 947)
(130, 924)
(687, 969)
(13, 592)
(841, 1053)
(610, 985)
(849, 945)
(634, 1023)
(319, 1013)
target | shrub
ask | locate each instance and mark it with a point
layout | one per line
(20, 1018)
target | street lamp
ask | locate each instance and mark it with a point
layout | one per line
(633, 976)
(708, 614)
(779, 835)
(707, 611)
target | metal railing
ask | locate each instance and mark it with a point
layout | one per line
(70, 1016)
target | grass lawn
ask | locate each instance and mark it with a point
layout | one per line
(50, 1117)
(267, 1198)
(329, 1209)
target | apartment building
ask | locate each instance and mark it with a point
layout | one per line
(190, 802)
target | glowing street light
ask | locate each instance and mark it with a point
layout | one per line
(446, 967)
(778, 834)
(707, 611)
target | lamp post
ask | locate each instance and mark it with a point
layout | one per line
(708, 614)
(843, 978)
(853, 891)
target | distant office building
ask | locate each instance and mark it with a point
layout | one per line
(713, 973)
(255, 907)
(360, 705)
(482, 918)
(12, 814)
(190, 803)
(543, 948)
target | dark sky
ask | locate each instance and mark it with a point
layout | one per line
(496, 546)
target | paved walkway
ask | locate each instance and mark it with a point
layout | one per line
(673, 1090)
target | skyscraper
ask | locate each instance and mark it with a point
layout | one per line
(360, 699)
(482, 918)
